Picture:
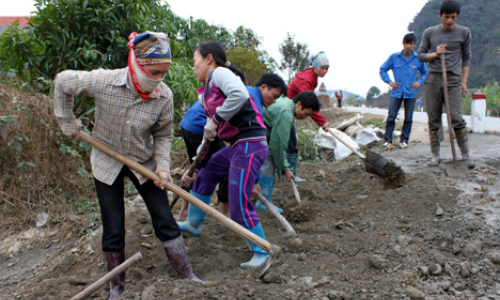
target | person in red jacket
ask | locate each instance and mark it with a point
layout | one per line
(306, 81)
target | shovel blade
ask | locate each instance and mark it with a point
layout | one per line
(375, 163)
(273, 255)
(456, 168)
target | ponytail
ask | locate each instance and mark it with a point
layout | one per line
(219, 55)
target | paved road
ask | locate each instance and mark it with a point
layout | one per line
(492, 125)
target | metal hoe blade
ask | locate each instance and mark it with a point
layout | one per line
(273, 255)
(456, 168)
(375, 163)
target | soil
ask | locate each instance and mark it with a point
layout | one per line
(357, 238)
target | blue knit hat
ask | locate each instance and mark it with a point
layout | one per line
(152, 48)
(319, 60)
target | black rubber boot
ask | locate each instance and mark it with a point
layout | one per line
(117, 284)
(463, 143)
(435, 147)
(178, 258)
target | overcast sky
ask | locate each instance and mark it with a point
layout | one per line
(357, 35)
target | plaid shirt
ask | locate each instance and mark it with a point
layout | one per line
(140, 130)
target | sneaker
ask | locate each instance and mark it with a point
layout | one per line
(387, 145)
(403, 145)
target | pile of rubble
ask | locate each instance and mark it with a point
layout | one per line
(349, 131)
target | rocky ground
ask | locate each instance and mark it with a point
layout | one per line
(434, 237)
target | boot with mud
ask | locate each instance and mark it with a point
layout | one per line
(260, 256)
(196, 217)
(266, 185)
(463, 143)
(435, 147)
(178, 258)
(293, 160)
(117, 284)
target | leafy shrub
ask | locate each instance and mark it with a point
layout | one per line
(43, 169)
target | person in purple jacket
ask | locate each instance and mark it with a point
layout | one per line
(233, 116)
(269, 88)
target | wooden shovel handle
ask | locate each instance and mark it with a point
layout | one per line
(106, 278)
(276, 213)
(295, 191)
(179, 191)
(199, 157)
(335, 135)
(192, 168)
(447, 105)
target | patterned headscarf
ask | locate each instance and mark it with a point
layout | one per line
(148, 48)
(319, 60)
(151, 48)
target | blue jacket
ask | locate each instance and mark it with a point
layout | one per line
(256, 95)
(195, 118)
(405, 72)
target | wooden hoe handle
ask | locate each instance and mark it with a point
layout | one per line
(182, 193)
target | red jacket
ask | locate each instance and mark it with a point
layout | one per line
(305, 81)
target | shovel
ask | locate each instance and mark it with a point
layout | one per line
(376, 164)
(295, 191)
(273, 250)
(275, 213)
(454, 168)
(199, 157)
(108, 277)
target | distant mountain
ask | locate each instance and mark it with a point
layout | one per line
(482, 17)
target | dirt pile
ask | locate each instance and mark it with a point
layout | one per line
(356, 240)
(42, 170)
(326, 101)
(433, 237)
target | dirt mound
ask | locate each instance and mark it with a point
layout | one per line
(326, 102)
(42, 170)
(356, 240)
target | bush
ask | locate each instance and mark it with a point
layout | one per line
(44, 170)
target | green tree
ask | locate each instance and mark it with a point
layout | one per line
(86, 35)
(248, 61)
(372, 93)
(353, 100)
(295, 56)
(492, 91)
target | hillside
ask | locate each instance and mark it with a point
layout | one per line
(481, 16)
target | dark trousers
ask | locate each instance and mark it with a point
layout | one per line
(394, 106)
(434, 100)
(192, 142)
(292, 142)
(241, 163)
(111, 201)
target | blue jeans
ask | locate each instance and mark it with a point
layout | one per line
(394, 106)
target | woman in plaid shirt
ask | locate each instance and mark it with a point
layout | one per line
(134, 115)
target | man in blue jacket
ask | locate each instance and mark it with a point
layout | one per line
(405, 66)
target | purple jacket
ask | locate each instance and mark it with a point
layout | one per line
(225, 99)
